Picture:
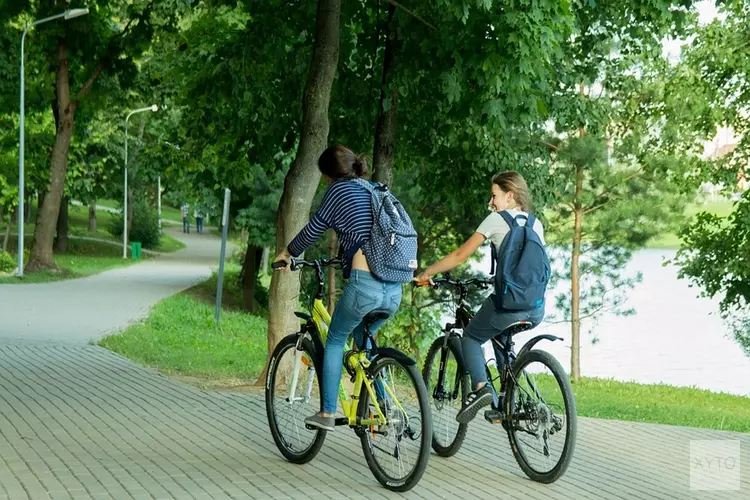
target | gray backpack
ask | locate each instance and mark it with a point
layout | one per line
(391, 250)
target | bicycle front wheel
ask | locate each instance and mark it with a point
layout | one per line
(293, 393)
(398, 451)
(542, 423)
(447, 387)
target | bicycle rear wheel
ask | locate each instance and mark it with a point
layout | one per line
(294, 363)
(542, 425)
(446, 396)
(397, 452)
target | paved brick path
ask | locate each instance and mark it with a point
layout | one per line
(81, 422)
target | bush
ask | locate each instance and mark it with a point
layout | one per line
(7, 262)
(145, 225)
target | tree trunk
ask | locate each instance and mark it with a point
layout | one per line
(332, 251)
(28, 209)
(40, 202)
(92, 217)
(44, 233)
(264, 260)
(250, 268)
(575, 354)
(385, 131)
(303, 177)
(6, 237)
(61, 243)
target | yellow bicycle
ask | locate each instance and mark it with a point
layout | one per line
(387, 404)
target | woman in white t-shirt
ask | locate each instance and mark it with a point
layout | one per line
(509, 192)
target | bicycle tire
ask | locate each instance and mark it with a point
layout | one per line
(307, 454)
(425, 439)
(536, 355)
(450, 448)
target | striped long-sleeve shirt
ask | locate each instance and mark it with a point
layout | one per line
(346, 209)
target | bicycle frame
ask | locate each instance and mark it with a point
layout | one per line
(316, 327)
(501, 350)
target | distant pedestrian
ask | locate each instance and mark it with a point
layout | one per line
(199, 221)
(185, 218)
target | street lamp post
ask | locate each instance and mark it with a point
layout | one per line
(158, 198)
(68, 14)
(125, 194)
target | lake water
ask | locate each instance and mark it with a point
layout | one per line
(675, 337)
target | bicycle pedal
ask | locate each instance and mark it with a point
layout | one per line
(494, 416)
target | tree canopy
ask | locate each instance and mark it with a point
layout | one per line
(576, 95)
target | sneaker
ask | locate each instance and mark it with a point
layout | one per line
(475, 401)
(320, 422)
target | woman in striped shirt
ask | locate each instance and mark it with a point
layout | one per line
(347, 209)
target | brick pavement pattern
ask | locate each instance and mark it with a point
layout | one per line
(81, 422)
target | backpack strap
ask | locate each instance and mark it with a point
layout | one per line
(493, 258)
(508, 218)
(530, 221)
(369, 186)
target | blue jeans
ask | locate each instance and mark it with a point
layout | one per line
(363, 294)
(485, 325)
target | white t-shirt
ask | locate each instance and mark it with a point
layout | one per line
(494, 227)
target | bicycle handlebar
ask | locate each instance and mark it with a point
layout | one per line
(447, 280)
(300, 263)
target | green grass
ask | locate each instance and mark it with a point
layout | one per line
(172, 214)
(664, 404)
(233, 236)
(84, 258)
(654, 403)
(722, 208)
(168, 244)
(78, 222)
(167, 212)
(231, 296)
(108, 203)
(180, 336)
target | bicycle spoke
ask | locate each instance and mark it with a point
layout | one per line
(396, 445)
(538, 422)
(293, 399)
(445, 397)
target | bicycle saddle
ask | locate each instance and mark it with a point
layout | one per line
(374, 316)
(516, 328)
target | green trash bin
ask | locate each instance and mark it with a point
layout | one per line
(135, 250)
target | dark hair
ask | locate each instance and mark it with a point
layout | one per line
(515, 183)
(339, 162)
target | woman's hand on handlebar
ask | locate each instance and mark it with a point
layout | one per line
(282, 261)
(423, 279)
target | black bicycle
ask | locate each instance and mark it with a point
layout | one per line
(534, 401)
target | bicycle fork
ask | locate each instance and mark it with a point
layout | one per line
(298, 353)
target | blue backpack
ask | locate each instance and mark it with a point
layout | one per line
(521, 267)
(391, 250)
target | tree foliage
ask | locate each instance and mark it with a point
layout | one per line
(714, 250)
